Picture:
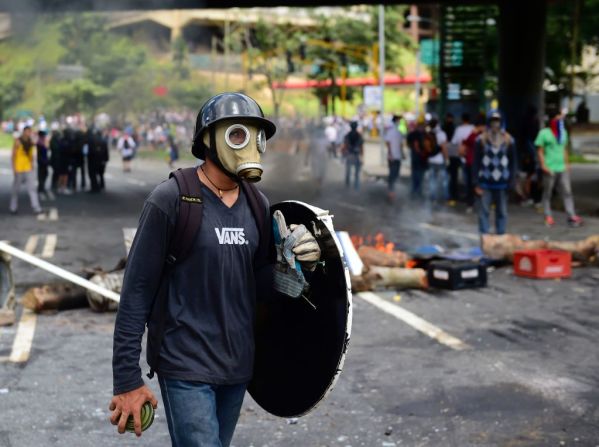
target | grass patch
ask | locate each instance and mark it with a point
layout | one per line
(6, 141)
(581, 158)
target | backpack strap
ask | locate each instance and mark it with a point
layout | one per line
(189, 221)
(261, 212)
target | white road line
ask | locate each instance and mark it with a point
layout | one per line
(134, 181)
(467, 235)
(49, 246)
(351, 206)
(415, 321)
(31, 244)
(22, 345)
(4, 171)
(128, 236)
(108, 176)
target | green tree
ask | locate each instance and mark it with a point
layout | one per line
(11, 89)
(78, 96)
(180, 58)
(267, 46)
(570, 26)
(340, 41)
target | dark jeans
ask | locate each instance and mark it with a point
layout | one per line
(418, 171)
(42, 175)
(93, 169)
(394, 166)
(352, 161)
(499, 198)
(454, 172)
(200, 414)
(469, 184)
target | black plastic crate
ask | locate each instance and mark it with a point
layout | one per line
(455, 275)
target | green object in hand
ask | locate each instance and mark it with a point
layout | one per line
(147, 417)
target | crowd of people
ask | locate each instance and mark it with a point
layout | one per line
(486, 156)
(488, 160)
(63, 157)
(476, 162)
(49, 164)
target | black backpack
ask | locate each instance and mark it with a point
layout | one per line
(189, 222)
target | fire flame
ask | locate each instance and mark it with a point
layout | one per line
(377, 241)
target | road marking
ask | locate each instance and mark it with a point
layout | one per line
(128, 236)
(472, 236)
(134, 181)
(415, 321)
(22, 345)
(51, 215)
(31, 244)
(108, 176)
(4, 171)
(49, 246)
(351, 206)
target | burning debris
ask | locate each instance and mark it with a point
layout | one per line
(383, 266)
(7, 292)
(503, 247)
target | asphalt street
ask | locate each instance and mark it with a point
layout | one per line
(526, 376)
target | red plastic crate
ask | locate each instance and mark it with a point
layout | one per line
(543, 263)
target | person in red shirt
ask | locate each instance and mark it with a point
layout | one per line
(467, 151)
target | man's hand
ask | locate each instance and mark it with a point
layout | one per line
(478, 190)
(130, 403)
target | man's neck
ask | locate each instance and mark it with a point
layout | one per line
(217, 176)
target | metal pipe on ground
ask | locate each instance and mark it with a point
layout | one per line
(58, 271)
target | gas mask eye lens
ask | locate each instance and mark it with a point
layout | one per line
(237, 136)
(261, 141)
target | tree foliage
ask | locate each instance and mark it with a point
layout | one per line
(118, 74)
(564, 28)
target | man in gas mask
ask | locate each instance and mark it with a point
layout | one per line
(493, 174)
(204, 356)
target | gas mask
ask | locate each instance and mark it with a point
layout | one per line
(236, 147)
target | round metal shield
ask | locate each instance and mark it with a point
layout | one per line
(301, 343)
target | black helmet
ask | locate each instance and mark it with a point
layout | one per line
(224, 106)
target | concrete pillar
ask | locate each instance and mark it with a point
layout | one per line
(522, 27)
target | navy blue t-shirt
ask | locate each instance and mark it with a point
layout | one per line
(209, 336)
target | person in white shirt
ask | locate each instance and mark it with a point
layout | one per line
(331, 135)
(394, 140)
(126, 146)
(437, 173)
(455, 149)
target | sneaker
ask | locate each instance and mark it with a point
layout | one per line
(549, 221)
(575, 221)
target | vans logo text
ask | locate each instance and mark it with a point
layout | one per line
(231, 236)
